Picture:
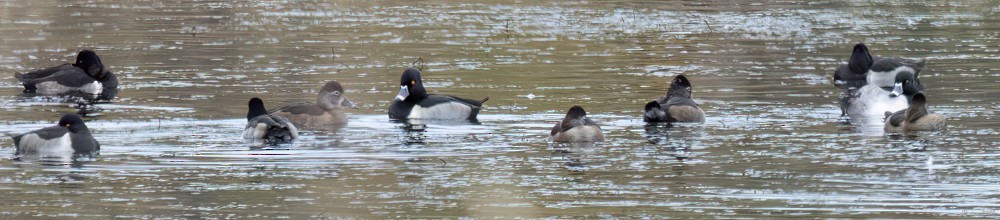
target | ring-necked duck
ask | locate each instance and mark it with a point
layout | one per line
(914, 118)
(677, 106)
(328, 108)
(882, 93)
(576, 127)
(265, 127)
(88, 76)
(413, 102)
(856, 73)
(878, 97)
(70, 138)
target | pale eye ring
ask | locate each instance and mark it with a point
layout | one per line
(337, 93)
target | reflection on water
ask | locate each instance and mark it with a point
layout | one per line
(774, 142)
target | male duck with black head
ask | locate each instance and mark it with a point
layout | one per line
(86, 76)
(914, 118)
(890, 86)
(576, 127)
(327, 110)
(267, 128)
(677, 106)
(70, 139)
(413, 102)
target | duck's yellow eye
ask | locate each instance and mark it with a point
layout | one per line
(413, 82)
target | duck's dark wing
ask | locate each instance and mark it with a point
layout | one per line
(301, 108)
(432, 100)
(66, 75)
(895, 118)
(556, 129)
(890, 64)
(43, 73)
(48, 133)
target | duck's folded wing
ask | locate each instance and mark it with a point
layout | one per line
(890, 64)
(66, 75)
(556, 129)
(300, 108)
(895, 118)
(470, 102)
(42, 73)
(31, 141)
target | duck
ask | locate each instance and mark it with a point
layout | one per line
(888, 89)
(914, 118)
(265, 127)
(87, 76)
(677, 106)
(859, 68)
(854, 73)
(69, 138)
(413, 102)
(327, 110)
(576, 127)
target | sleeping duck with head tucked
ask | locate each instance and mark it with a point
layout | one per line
(86, 76)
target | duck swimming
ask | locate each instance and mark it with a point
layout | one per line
(327, 110)
(413, 102)
(914, 118)
(270, 129)
(677, 106)
(576, 128)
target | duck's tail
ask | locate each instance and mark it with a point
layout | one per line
(277, 134)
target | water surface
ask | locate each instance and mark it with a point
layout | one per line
(774, 143)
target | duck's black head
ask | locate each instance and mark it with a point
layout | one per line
(576, 112)
(332, 96)
(680, 87)
(91, 63)
(256, 108)
(906, 83)
(73, 122)
(411, 85)
(861, 60)
(652, 105)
